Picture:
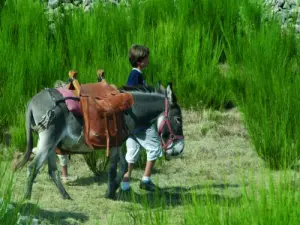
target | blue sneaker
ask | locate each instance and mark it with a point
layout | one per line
(148, 186)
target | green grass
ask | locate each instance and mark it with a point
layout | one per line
(269, 79)
(8, 215)
(220, 180)
(278, 205)
(188, 41)
(186, 48)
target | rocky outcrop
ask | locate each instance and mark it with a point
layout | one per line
(86, 5)
(286, 11)
(58, 8)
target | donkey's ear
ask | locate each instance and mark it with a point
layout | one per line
(170, 95)
(160, 88)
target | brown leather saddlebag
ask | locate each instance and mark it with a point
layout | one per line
(102, 106)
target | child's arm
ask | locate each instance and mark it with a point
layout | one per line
(101, 75)
(74, 82)
(76, 86)
(133, 79)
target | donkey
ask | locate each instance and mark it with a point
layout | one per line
(48, 116)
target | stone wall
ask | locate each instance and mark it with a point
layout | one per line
(53, 8)
(286, 11)
(86, 5)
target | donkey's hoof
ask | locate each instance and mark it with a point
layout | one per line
(110, 195)
(68, 197)
(27, 197)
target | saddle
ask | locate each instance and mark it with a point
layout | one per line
(103, 109)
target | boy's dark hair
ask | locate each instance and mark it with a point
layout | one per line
(137, 53)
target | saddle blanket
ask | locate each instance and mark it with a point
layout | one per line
(72, 105)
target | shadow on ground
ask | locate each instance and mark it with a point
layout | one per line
(174, 196)
(87, 181)
(100, 179)
(51, 217)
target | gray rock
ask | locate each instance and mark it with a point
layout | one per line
(292, 3)
(77, 3)
(53, 3)
(276, 9)
(50, 15)
(297, 28)
(68, 6)
(298, 17)
(286, 6)
(272, 2)
(86, 3)
(280, 3)
(284, 16)
(292, 13)
(52, 28)
(88, 8)
(284, 26)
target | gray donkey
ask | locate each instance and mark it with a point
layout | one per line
(48, 116)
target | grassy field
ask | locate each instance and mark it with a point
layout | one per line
(217, 54)
(195, 37)
(220, 180)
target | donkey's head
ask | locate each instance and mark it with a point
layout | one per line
(169, 125)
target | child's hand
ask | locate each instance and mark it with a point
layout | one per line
(72, 74)
(100, 74)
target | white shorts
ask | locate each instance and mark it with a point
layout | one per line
(149, 140)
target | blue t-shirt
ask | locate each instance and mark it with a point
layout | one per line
(135, 78)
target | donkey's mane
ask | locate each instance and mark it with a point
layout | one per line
(140, 88)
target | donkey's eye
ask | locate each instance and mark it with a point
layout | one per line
(178, 120)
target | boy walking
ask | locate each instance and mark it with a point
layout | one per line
(149, 140)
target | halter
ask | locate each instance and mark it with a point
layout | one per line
(166, 122)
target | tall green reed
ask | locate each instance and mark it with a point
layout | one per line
(268, 99)
(185, 48)
(266, 198)
(8, 213)
(187, 40)
(272, 201)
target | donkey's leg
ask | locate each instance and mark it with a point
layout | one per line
(32, 171)
(112, 173)
(123, 166)
(54, 174)
(44, 148)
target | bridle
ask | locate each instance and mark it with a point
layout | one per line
(166, 122)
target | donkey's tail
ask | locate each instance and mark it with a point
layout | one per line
(26, 156)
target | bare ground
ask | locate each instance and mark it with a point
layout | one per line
(218, 159)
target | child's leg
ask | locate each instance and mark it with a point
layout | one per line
(64, 171)
(132, 154)
(152, 145)
(148, 168)
(63, 161)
